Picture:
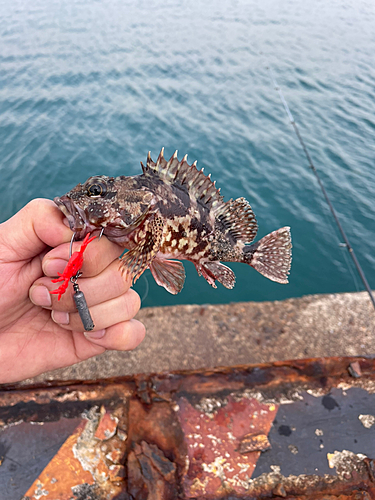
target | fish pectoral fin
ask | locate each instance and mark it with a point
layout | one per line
(139, 258)
(168, 273)
(213, 271)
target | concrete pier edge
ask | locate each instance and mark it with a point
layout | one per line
(204, 336)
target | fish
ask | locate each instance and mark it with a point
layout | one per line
(173, 212)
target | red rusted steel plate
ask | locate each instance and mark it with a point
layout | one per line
(300, 430)
(224, 440)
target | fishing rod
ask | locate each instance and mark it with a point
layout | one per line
(312, 166)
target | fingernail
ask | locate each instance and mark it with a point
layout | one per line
(60, 317)
(54, 266)
(99, 334)
(40, 296)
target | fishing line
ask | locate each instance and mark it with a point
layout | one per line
(336, 240)
(349, 266)
(145, 295)
(312, 166)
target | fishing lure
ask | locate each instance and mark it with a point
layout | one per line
(71, 274)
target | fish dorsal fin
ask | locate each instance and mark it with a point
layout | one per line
(181, 174)
(238, 219)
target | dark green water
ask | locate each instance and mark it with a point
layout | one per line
(89, 87)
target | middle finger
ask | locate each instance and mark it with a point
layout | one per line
(107, 285)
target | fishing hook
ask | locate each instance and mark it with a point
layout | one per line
(71, 245)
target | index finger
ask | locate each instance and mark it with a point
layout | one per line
(36, 226)
(97, 257)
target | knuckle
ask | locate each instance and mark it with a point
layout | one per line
(118, 281)
(137, 333)
(142, 330)
(132, 301)
(36, 205)
(63, 305)
(33, 204)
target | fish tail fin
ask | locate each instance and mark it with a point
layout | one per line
(272, 255)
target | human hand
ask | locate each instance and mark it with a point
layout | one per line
(32, 340)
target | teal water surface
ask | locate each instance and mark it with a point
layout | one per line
(89, 87)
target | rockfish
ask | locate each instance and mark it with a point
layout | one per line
(174, 211)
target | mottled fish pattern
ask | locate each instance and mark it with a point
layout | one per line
(174, 211)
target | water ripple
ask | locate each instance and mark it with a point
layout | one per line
(89, 87)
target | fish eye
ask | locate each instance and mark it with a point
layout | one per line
(96, 189)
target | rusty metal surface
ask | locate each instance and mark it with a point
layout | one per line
(300, 430)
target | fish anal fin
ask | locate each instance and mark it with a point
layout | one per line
(238, 219)
(138, 259)
(221, 273)
(181, 173)
(207, 275)
(169, 274)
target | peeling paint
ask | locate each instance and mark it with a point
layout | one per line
(367, 420)
(344, 461)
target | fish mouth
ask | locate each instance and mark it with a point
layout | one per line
(77, 218)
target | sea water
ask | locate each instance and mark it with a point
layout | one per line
(89, 87)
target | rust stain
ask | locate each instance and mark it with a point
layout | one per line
(88, 457)
(107, 425)
(151, 475)
(206, 434)
(63, 472)
(254, 442)
(214, 431)
(354, 369)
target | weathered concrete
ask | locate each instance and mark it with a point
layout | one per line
(194, 336)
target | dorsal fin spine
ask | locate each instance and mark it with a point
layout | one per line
(160, 158)
(181, 173)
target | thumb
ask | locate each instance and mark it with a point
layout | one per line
(36, 226)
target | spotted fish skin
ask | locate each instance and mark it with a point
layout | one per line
(174, 211)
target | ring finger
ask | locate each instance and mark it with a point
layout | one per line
(106, 314)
